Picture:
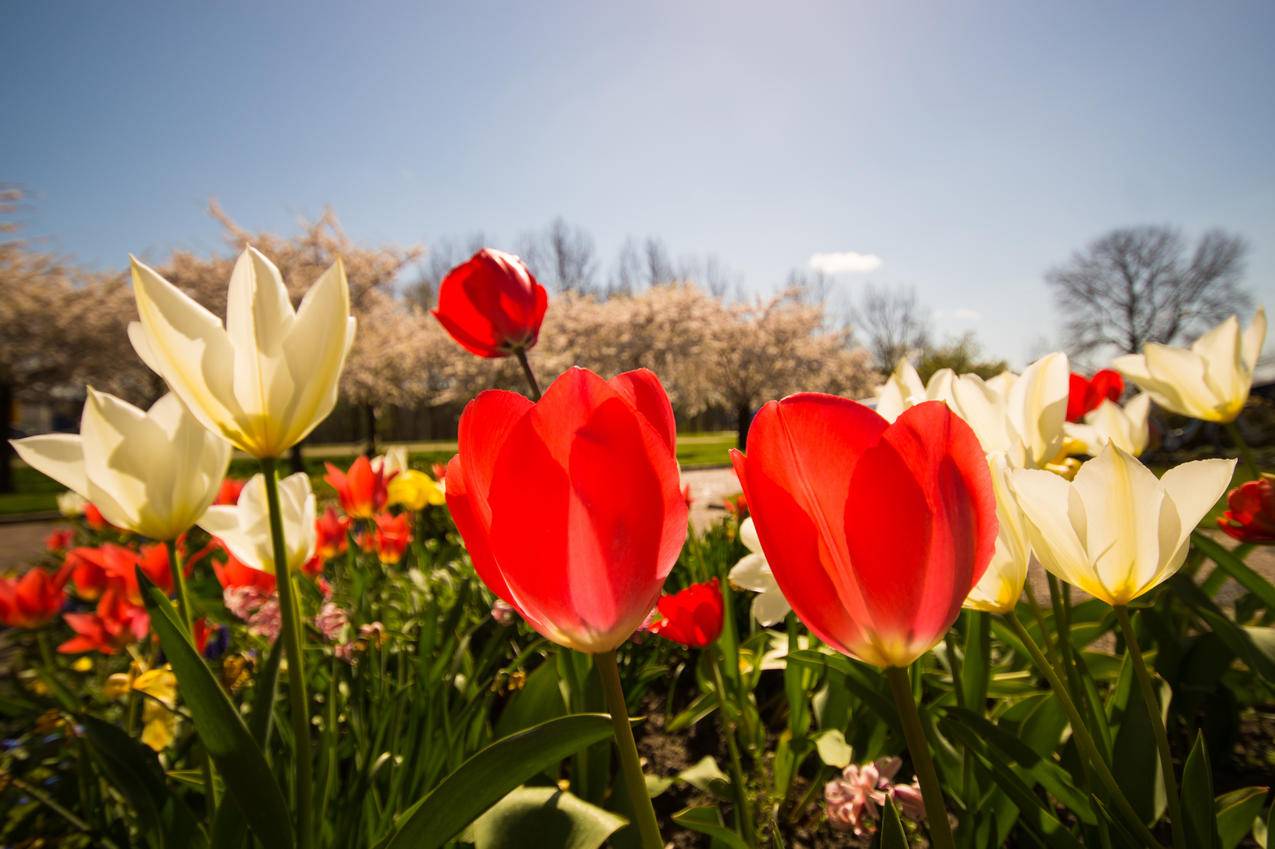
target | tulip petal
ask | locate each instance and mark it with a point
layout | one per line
(1047, 504)
(315, 350)
(57, 455)
(796, 476)
(1195, 487)
(590, 551)
(642, 389)
(467, 513)
(926, 493)
(190, 347)
(1254, 338)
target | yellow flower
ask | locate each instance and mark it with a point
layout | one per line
(1210, 380)
(266, 378)
(1116, 531)
(414, 490)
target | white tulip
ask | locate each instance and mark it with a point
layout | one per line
(71, 504)
(393, 461)
(1002, 584)
(901, 390)
(1208, 381)
(1128, 426)
(267, 378)
(245, 527)
(752, 572)
(152, 472)
(1020, 416)
(1116, 531)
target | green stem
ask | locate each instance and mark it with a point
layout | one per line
(534, 384)
(1157, 725)
(639, 799)
(1246, 453)
(1080, 733)
(179, 587)
(922, 763)
(744, 823)
(292, 645)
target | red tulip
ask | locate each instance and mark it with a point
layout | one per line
(363, 489)
(94, 517)
(33, 599)
(1250, 514)
(1087, 394)
(692, 617)
(331, 534)
(392, 536)
(96, 570)
(59, 540)
(228, 493)
(234, 574)
(114, 625)
(571, 507)
(492, 305)
(875, 532)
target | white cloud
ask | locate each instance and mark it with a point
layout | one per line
(966, 314)
(845, 262)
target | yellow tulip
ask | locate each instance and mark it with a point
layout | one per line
(266, 378)
(1001, 585)
(153, 472)
(245, 527)
(415, 490)
(1208, 381)
(1116, 531)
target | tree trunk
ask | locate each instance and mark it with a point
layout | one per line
(369, 420)
(296, 458)
(6, 450)
(743, 418)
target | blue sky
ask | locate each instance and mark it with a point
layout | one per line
(969, 146)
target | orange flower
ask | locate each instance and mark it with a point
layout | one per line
(362, 489)
(32, 600)
(331, 533)
(392, 536)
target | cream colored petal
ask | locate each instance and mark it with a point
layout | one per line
(1137, 413)
(1224, 371)
(1123, 504)
(57, 455)
(199, 462)
(1088, 438)
(770, 607)
(748, 536)
(752, 573)
(1046, 502)
(985, 411)
(1183, 372)
(259, 313)
(188, 348)
(1037, 407)
(1195, 487)
(1003, 382)
(1254, 338)
(316, 349)
(126, 461)
(137, 337)
(1163, 392)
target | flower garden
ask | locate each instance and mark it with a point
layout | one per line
(964, 614)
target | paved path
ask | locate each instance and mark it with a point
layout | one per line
(19, 542)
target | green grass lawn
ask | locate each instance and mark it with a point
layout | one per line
(37, 494)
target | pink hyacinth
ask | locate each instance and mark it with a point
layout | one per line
(854, 800)
(330, 621)
(502, 612)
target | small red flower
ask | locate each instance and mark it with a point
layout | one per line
(392, 537)
(492, 305)
(59, 541)
(94, 517)
(33, 599)
(1087, 394)
(362, 489)
(228, 494)
(692, 617)
(233, 574)
(96, 571)
(110, 629)
(331, 532)
(737, 506)
(1250, 514)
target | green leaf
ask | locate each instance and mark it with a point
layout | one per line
(1237, 811)
(539, 699)
(707, 776)
(221, 729)
(1035, 815)
(975, 671)
(1236, 568)
(1199, 817)
(708, 820)
(833, 748)
(892, 835)
(489, 775)
(544, 817)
